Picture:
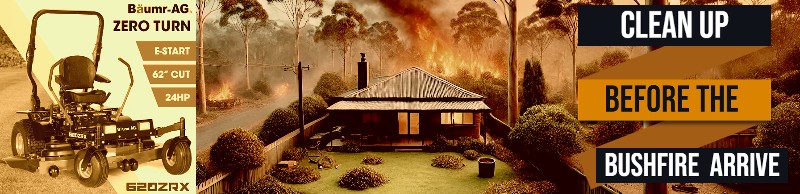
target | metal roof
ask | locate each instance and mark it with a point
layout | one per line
(409, 105)
(412, 83)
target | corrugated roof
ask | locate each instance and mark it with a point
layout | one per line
(410, 105)
(412, 83)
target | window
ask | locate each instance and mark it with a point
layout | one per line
(370, 118)
(457, 118)
(408, 123)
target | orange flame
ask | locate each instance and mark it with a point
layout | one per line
(224, 93)
(446, 60)
(282, 89)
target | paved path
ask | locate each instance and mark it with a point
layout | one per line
(248, 118)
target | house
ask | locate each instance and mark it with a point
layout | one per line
(408, 109)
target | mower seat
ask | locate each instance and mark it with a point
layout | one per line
(94, 96)
(80, 73)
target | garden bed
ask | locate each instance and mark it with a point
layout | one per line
(407, 172)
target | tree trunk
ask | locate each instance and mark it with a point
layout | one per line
(345, 50)
(201, 82)
(247, 59)
(574, 73)
(296, 43)
(380, 60)
(513, 108)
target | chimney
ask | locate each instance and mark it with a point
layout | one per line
(363, 72)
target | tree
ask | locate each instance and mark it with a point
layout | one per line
(204, 9)
(713, 2)
(545, 130)
(343, 27)
(564, 19)
(510, 15)
(244, 16)
(326, 36)
(533, 85)
(536, 33)
(382, 36)
(476, 23)
(785, 19)
(298, 12)
(564, 15)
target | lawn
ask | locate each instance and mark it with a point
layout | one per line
(408, 172)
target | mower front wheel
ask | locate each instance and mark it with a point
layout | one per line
(23, 142)
(95, 173)
(181, 158)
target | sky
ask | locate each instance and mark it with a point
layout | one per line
(525, 8)
(445, 11)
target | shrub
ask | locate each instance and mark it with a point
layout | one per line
(783, 131)
(330, 85)
(203, 172)
(468, 143)
(350, 146)
(788, 83)
(372, 159)
(779, 97)
(587, 69)
(447, 161)
(326, 161)
(607, 131)
(280, 122)
(237, 150)
(545, 129)
(267, 185)
(439, 144)
(520, 186)
(313, 107)
(613, 58)
(296, 154)
(472, 154)
(296, 175)
(792, 58)
(361, 178)
(263, 87)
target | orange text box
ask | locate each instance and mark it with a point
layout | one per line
(674, 100)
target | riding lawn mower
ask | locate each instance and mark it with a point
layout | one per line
(77, 132)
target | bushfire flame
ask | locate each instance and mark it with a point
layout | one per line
(282, 89)
(445, 60)
(224, 93)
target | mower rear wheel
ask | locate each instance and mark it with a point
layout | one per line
(23, 142)
(181, 158)
(96, 173)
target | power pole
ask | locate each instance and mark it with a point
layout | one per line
(298, 70)
(654, 188)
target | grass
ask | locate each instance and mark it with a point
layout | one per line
(9, 56)
(408, 172)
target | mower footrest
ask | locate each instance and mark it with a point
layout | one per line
(22, 163)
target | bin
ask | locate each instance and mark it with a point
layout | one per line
(486, 168)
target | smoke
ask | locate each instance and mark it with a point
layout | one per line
(414, 14)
